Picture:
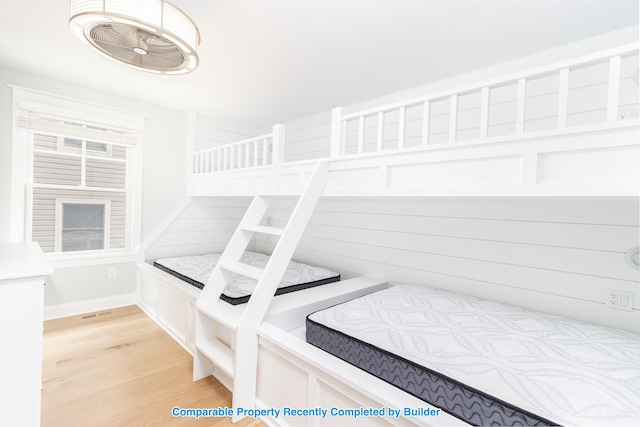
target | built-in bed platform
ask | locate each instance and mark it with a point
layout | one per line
(476, 361)
(169, 288)
(485, 362)
(196, 270)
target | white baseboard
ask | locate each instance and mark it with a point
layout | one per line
(88, 306)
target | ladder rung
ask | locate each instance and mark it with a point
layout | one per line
(264, 229)
(287, 193)
(222, 312)
(241, 268)
(221, 355)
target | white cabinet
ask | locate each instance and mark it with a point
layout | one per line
(22, 271)
(170, 302)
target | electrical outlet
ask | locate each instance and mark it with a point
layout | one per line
(620, 300)
(612, 298)
(112, 273)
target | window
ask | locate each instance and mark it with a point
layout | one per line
(82, 226)
(79, 145)
(78, 193)
(81, 175)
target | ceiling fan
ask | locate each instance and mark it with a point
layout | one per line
(150, 35)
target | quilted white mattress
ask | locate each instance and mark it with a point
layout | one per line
(199, 268)
(567, 371)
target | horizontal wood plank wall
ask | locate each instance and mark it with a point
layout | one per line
(204, 226)
(210, 133)
(549, 255)
(308, 138)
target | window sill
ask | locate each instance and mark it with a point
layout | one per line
(85, 259)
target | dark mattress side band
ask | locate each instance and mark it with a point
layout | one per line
(244, 299)
(464, 402)
(182, 277)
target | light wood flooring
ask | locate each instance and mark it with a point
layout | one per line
(118, 368)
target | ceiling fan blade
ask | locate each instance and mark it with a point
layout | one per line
(129, 34)
(143, 39)
(131, 58)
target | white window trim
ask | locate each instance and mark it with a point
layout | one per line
(61, 201)
(21, 215)
(83, 111)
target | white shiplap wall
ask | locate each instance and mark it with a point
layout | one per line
(548, 255)
(308, 138)
(552, 255)
(210, 133)
(204, 226)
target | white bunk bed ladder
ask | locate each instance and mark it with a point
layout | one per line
(226, 339)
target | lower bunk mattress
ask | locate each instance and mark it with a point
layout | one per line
(196, 270)
(484, 362)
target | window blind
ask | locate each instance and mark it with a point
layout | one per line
(56, 126)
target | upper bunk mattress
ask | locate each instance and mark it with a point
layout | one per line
(196, 270)
(484, 362)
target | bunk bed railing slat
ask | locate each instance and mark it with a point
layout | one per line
(255, 153)
(453, 117)
(402, 118)
(484, 113)
(380, 137)
(613, 88)
(563, 98)
(337, 123)
(426, 108)
(361, 134)
(521, 99)
(277, 144)
(265, 152)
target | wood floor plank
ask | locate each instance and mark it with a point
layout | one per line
(118, 368)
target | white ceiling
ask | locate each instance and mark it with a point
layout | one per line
(268, 61)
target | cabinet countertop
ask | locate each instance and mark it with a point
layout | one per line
(20, 260)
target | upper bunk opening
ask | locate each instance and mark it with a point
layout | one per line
(569, 128)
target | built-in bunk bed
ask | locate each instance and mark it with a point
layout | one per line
(168, 286)
(376, 352)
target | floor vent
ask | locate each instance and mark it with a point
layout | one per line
(94, 315)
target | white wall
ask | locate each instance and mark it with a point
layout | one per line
(165, 149)
(204, 226)
(210, 132)
(549, 255)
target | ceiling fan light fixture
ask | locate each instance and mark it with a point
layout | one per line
(148, 35)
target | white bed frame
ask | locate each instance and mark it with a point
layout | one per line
(598, 159)
(594, 159)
